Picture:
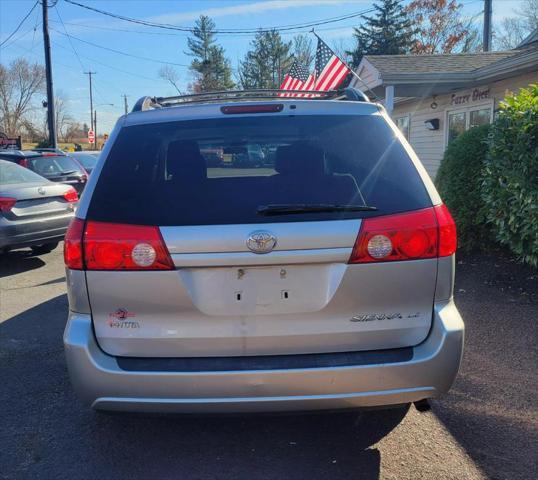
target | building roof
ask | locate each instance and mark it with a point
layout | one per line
(426, 75)
(532, 38)
(440, 63)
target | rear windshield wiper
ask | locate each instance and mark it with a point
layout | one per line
(286, 209)
(67, 172)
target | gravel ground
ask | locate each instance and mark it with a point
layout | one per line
(486, 427)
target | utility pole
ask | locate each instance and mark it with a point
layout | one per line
(51, 117)
(488, 11)
(90, 73)
(95, 129)
(125, 103)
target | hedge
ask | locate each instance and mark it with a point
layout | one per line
(459, 180)
(510, 178)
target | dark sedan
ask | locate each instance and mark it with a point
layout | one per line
(56, 167)
(34, 212)
(86, 159)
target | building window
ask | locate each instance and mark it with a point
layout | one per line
(462, 120)
(479, 117)
(456, 125)
(403, 124)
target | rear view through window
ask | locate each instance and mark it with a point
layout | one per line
(256, 170)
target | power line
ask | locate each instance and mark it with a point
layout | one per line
(112, 29)
(106, 65)
(170, 34)
(149, 59)
(233, 31)
(37, 23)
(20, 24)
(69, 38)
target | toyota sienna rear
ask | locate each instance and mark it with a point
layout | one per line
(317, 275)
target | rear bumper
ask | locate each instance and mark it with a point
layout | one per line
(101, 383)
(18, 234)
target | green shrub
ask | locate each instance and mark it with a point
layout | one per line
(459, 180)
(43, 143)
(510, 184)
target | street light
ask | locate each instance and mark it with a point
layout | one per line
(95, 122)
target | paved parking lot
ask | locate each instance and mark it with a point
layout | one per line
(487, 427)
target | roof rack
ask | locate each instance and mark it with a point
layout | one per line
(151, 103)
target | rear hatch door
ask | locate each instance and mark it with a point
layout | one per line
(250, 283)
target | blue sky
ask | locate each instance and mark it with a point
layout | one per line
(120, 74)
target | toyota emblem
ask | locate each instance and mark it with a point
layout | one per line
(261, 241)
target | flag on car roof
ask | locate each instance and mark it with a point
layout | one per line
(298, 78)
(330, 70)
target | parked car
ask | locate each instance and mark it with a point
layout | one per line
(86, 159)
(320, 281)
(55, 167)
(34, 212)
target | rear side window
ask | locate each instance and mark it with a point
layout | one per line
(220, 171)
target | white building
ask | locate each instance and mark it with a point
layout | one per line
(434, 98)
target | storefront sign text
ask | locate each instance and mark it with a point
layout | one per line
(476, 95)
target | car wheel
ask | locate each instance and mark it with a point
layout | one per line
(45, 248)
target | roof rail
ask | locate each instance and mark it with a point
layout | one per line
(149, 103)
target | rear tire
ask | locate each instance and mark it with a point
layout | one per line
(423, 405)
(45, 248)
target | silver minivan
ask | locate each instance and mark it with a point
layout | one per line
(320, 278)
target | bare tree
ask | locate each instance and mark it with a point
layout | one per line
(303, 51)
(342, 47)
(33, 128)
(511, 31)
(473, 42)
(71, 130)
(19, 83)
(170, 74)
(63, 117)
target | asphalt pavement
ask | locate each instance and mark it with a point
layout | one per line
(486, 427)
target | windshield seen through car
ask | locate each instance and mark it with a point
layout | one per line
(53, 165)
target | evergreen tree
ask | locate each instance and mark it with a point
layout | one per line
(267, 62)
(210, 66)
(388, 32)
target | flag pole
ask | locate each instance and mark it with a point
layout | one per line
(355, 74)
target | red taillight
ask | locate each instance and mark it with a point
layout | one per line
(6, 203)
(110, 246)
(71, 195)
(73, 245)
(23, 162)
(448, 238)
(426, 233)
(238, 109)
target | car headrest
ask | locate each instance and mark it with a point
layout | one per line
(184, 161)
(300, 158)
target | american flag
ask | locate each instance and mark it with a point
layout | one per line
(297, 78)
(330, 70)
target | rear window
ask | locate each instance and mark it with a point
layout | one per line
(11, 173)
(51, 165)
(220, 171)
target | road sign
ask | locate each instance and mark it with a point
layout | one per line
(91, 136)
